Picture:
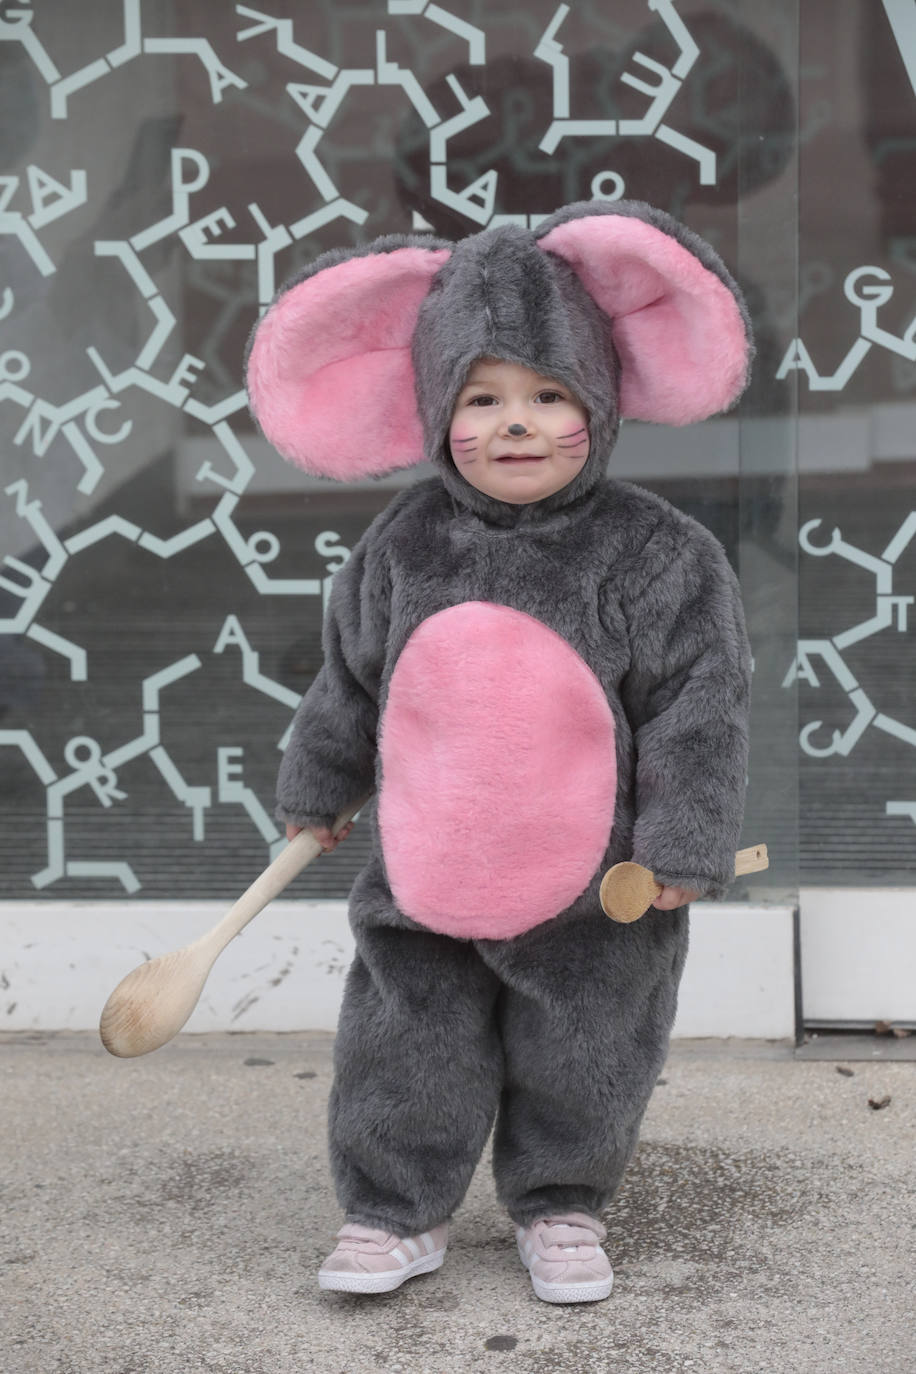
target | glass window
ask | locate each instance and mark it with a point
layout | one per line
(163, 170)
(854, 361)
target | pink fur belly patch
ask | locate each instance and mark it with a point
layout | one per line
(498, 773)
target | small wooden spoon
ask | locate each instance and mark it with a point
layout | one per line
(154, 1001)
(628, 890)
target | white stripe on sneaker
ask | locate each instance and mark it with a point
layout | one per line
(363, 1263)
(551, 1272)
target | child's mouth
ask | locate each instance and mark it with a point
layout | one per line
(520, 458)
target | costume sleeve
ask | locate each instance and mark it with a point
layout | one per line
(330, 759)
(687, 696)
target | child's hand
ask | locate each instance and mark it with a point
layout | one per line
(322, 834)
(671, 897)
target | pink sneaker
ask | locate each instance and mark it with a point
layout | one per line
(370, 1261)
(564, 1258)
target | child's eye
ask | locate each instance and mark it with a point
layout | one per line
(550, 397)
(482, 401)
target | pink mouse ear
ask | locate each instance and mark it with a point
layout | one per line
(329, 376)
(679, 329)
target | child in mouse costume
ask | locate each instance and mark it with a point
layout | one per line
(542, 672)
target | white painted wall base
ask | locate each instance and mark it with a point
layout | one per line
(285, 972)
(858, 954)
(740, 974)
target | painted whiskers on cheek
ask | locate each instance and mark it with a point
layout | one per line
(464, 447)
(576, 439)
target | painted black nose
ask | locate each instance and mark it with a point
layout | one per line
(517, 431)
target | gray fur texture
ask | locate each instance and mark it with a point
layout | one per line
(500, 296)
(644, 595)
(558, 1034)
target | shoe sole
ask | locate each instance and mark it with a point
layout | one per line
(572, 1292)
(343, 1281)
(569, 1292)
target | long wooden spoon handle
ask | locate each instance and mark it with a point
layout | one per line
(288, 864)
(752, 860)
(152, 1003)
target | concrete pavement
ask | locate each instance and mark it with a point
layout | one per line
(166, 1215)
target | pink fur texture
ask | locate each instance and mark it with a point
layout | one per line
(498, 773)
(677, 328)
(330, 375)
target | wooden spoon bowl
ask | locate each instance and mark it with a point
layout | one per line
(628, 890)
(154, 1001)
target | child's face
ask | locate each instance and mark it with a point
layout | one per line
(515, 435)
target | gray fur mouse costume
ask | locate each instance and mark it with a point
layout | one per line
(534, 691)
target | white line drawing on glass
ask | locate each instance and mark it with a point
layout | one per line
(43, 421)
(891, 612)
(83, 753)
(901, 16)
(662, 92)
(476, 201)
(232, 633)
(476, 38)
(50, 200)
(867, 288)
(97, 421)
(16, 26)
(91, 768)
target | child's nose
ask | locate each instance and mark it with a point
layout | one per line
(517, 431)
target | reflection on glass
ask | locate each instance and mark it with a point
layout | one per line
(165, 572)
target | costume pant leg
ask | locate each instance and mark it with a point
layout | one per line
(585, 1018)
(418, 1068)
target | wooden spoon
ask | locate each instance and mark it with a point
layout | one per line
(154, 1001)
(628, 890)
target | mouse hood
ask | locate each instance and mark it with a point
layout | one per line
(355, 368)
